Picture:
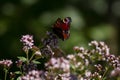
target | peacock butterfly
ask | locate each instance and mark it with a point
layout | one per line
(62, 28)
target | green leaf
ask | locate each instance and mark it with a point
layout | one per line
(22, 59)
(104, 78)
(36, 62)
(18, 78)
(18, 72)
(72, 66)
(118, 78)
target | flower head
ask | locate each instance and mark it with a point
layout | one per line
(27, 41)
(58, 63)
(115, 72)
(6, 63)
(32, 75)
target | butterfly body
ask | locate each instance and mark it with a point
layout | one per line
(62, 28)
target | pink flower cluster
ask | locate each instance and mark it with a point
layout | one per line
(27, 41)
(6, 63)
(32, 75)
(58, 63)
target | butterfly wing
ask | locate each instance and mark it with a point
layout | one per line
(58, 32)
(62, 28)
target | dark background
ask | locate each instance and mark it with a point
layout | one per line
(91, 20)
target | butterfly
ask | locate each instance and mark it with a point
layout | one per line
(62, 28)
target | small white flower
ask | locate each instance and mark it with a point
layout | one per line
(86, 62)
(93, 43)
(81, 55)
(81, 49)
(102, 43)
(87, 73)
(76, 48)
(38, 53)
(70, 56)
(78, 64)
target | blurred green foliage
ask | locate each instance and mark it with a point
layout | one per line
(91, 20)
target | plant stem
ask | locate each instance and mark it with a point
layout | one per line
(21, 71)
(105, 73)
(6, 71)
(31, 57)
(37, 58)
(27, 57)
